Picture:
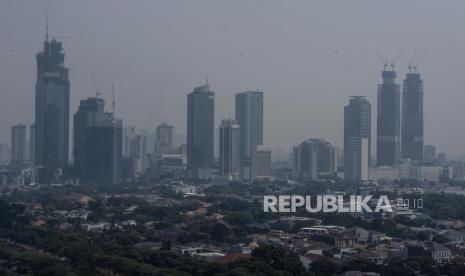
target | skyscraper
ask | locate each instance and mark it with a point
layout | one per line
(200, 129)
(164, 139)
(357, 138)
(229, 149)
(249, 115)
(18, 143)
(261, 163)
(429, 153)
(32, 143)
(51, 108)
(412, 118)
(306, 160)
(97, 143)
(314, 157)
(388, 128)
(86, 115)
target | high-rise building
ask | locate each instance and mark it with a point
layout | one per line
(314, 157)
(200, 130)
(18, 143)
(129, 135)
(412, 118)
(306, 160)
(388, 125)
(357, 138)
(261, 163)
(86, 115)
(249, 115)
(229, 149)
(164, 140)
(429, 153)
(32, 144)
(51, 108)
(97, 143)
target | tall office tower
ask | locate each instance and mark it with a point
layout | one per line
(97, 143)
(388, 130)
(4, 153)
(306, 160)
(164, 139)
(229, 149)
(249, 115)
(357, 138)
(86, 115)
(326, 160)
(52, 108)
(129, 134)
(18, 143)
(32, 144)
(200, 130)
(429, 153)
(412, 118)
(139, 147)
(261, 163)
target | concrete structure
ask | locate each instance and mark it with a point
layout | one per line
(164, 139)
(18, 143)
(97, 143)
(384, 173)
(200, 129)
(357, 138)
(229, 149)
(388, 130)
(412, 118)
(249, 115)
(314, 157)
(51, 108)
(429, 153)
(261, 163)
(32, 144)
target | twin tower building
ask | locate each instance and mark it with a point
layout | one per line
(241, 154)
(399, 126)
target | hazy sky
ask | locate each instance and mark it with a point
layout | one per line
(307, 56)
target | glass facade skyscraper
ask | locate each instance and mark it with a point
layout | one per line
(52, 108)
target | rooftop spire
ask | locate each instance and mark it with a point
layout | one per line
(46, 27)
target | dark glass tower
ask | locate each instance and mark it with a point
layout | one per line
(200, 129)
(229, 149)
(388, 128)
(97, 143)
(52, 108)
(412, 117)
(357, 137)
(249, 116)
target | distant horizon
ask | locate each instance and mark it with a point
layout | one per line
(321, 58)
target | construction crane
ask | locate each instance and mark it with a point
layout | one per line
(394, 61)
(384, 61)
(391, 63)
(97, 90)
(413, 65)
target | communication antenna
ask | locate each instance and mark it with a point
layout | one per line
(97, 91)
(113, 101)
(46, 27)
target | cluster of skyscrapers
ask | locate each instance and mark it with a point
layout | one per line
(399, 130)
(101, 143)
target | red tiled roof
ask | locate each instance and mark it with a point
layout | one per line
(231, 258)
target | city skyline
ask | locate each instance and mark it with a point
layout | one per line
(277, 93)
